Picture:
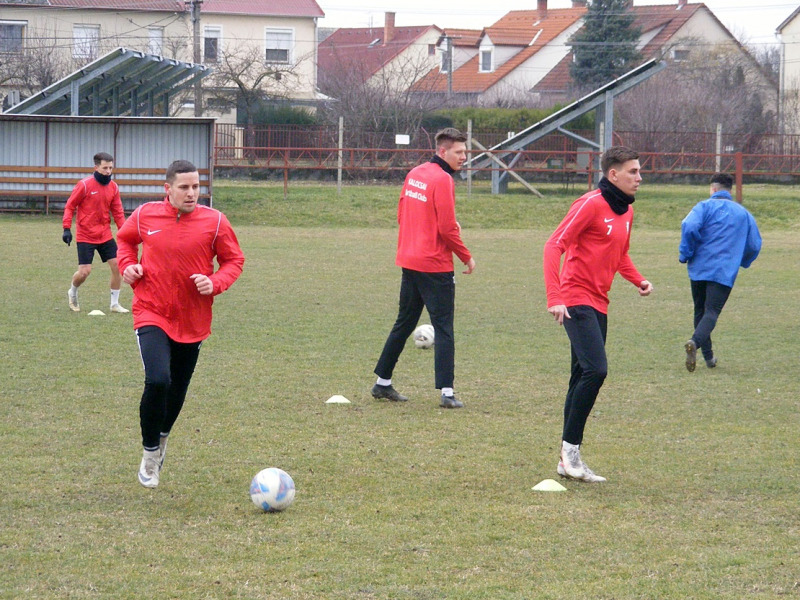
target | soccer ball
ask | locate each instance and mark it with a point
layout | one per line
(272, 490)
(423, 336)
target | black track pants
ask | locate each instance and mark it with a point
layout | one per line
(168, 369)
(587, 335)
(709, 298)
(436, 292)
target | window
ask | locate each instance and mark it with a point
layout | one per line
(431, 49)
(85, 41)
(11, 35)
(486, 60)
(155, 44)
(212, 36)
(279, 44)
(680, 55)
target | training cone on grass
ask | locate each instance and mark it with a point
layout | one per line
(337, 399)
(97, 313)
(549, 485)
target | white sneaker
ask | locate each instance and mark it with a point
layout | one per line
(118, 309)
(162, 451)
(590, 476)
(570, 464)
(148, 469)
(73, 301)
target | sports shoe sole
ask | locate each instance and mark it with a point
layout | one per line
(691, 355)
(589, 476)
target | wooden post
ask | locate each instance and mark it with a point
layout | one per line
(339, 161)
(739, 168)
(469, 155)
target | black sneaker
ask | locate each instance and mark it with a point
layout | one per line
(711, 362)
(451, 402)
(691, 355)
(387, 392)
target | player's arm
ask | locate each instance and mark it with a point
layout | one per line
(128, 240)
(229, 256)
(117, 210)
(69, 210)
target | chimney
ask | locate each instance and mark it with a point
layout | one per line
(541, 7)
(388, 28)
(681, 4)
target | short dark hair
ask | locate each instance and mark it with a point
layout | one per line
(448, 135)
(179, 166)
(616, 155)
(724, 180)
(102, 156)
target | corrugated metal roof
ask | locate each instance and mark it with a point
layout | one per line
(277, 8)
(123, 82)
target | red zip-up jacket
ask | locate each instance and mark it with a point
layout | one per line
(426, 213)
(595, 240)
(174, 247)
(94, 202)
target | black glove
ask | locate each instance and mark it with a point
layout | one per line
(67, 237)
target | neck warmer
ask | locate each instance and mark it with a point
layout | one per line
(102, 179)
(447, 168)
(616, 198)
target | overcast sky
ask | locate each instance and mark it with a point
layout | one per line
(746, 19)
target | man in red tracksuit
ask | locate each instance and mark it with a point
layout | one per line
(94, 198)
(429, 235)
(595, 236)
(174, 285)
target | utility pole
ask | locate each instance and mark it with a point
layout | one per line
(197, 57)
(448, 60)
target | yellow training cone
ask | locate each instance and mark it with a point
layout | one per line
(549, 485)
(97, 313)
(337, 399)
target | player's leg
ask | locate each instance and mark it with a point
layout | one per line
(155, 350)
(439, 292)
(409, 311)
(587, 334)
(108, 253)
(715, 297)
(184, 359)
(85, 258)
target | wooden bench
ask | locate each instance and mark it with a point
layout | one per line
(28, 189)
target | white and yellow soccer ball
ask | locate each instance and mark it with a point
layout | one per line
(423, 336)
(272, 490)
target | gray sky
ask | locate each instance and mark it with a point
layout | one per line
(746, 19)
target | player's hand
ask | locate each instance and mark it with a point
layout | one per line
(470, 267)
(132, 274)
(67, 237)
(204, 285)
(645, 288)
(559, 312)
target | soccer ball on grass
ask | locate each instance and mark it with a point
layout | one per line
(272, 490)
(423, 336)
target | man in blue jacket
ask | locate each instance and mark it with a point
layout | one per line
(717, 237)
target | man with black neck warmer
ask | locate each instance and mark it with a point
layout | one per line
(95, 199)
(595, 236)
(429, 236)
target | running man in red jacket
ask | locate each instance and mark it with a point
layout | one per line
(429, 235)
(595, 236)
(94, 198)
(174, 285)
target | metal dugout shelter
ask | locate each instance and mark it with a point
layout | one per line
(122, 82)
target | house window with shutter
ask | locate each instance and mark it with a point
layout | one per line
(279, 44)
(212, 43)
(85, 41)
(11, 33)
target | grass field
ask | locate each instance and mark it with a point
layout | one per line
(404, 501)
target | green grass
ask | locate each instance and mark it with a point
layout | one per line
(403, 501)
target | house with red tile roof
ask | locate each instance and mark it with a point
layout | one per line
(390, 57)
(525, 56)
(281, 33)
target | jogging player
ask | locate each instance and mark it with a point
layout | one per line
(94, 199)
(594, 236)
(174, 285)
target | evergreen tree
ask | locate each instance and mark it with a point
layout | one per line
(605, 47)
